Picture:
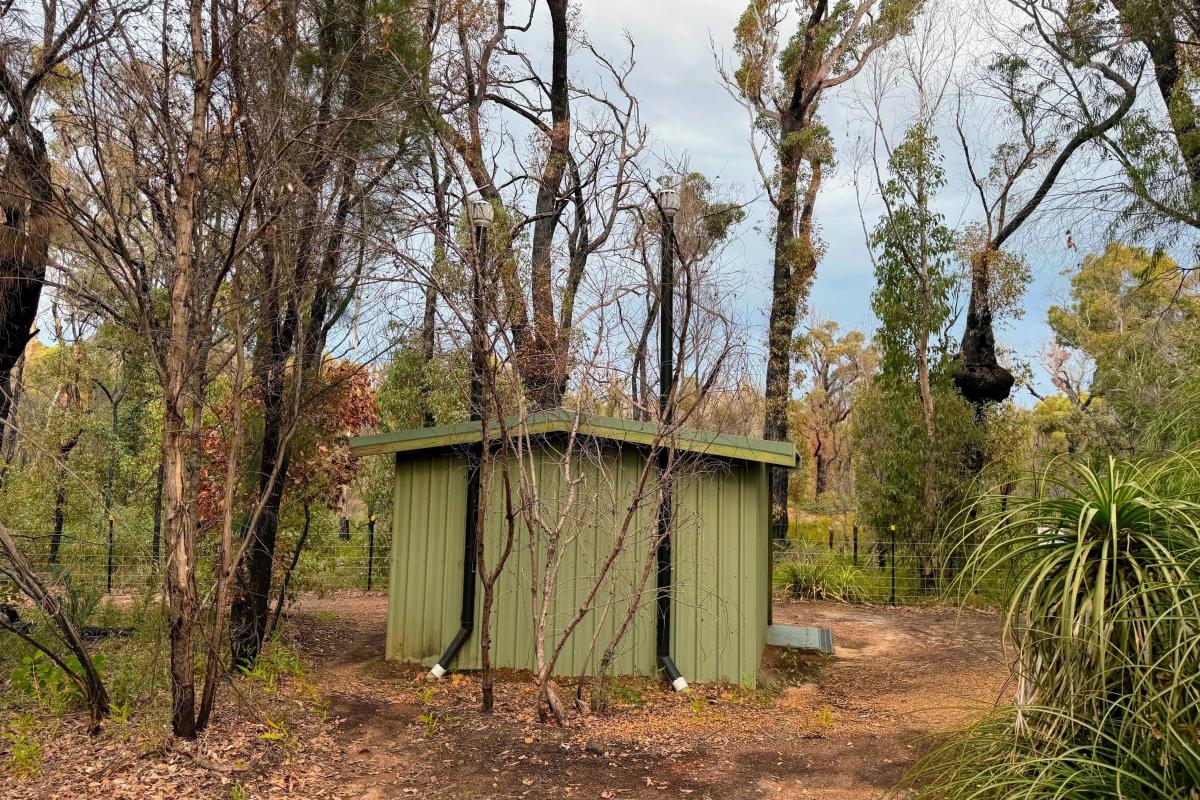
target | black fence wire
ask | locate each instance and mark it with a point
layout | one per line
(861, 564)
(850, 563)
(98, 561)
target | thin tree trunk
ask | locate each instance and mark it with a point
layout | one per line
(287, 576)
(177, 367)
(60, 498)
(156, 532)
(225, 563)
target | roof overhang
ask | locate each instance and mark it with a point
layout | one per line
(645, 434)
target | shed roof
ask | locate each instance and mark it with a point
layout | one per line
(743, 448)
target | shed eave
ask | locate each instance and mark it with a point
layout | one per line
(743, 448)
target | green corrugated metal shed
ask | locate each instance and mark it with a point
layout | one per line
(720, 543)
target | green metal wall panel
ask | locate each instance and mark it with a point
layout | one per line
(719, 619)
(427, 556)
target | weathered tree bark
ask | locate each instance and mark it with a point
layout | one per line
(979, 375)
(795, 265)
(176, 367)
(26, 195)
(544, 363)
(8, 432)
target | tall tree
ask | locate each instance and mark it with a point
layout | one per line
(580, 167)
(833, 368)
(313, 138)
(914, 281)
(781, 80)
(1049, 119)
(37, 45)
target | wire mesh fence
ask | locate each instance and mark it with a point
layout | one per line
(90, 562)
(864, 565)
(849, 563)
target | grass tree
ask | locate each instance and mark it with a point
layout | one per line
(1101, 569)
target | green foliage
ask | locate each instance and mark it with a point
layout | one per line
(274, 664)
(410, 387)
(22, 735)
(46, 684)
(1134, 314)
(1102, 598)
(913, 275)
(809, 574)
(890, 450)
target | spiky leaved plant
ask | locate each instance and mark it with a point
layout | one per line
(1102, 572)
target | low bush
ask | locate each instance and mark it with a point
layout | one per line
(814, 576)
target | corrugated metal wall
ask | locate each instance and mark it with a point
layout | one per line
(720, 561)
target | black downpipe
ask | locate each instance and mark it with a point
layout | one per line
(666, 372)
(474, 459)
(470, 540)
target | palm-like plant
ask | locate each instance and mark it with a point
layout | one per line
(1102, 575)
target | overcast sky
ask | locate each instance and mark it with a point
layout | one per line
(689, 113)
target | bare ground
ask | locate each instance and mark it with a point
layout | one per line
(360, 727)
(838, 728)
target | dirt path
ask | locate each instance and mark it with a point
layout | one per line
(835, 729)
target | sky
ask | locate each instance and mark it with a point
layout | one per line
(690, 114)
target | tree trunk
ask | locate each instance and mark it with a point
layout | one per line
(821, 469)
(156, 530)
(795, 264)
(60, 498)
(24, 246)
(176, 367)
(8, 433)
(287, 576)
(978, 374)
(180, 573)
(544, 363)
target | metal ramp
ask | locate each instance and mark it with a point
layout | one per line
(801, 638)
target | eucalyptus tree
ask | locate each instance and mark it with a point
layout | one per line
(580, 166)
(1051, 101)
(39, 41)
(790, 55)
(333, 90)
(834, 367)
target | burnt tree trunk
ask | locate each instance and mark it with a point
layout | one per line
(979, 375)
(25, 198)
(545, 362)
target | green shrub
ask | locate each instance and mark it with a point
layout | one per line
(812, 576)
(1103, 607)
(25, 748)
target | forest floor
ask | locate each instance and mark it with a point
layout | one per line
(357, 726)
(832, 728)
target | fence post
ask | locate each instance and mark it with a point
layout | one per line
(110, 552)
(370, 549)
(892, 530)
(856, 544)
